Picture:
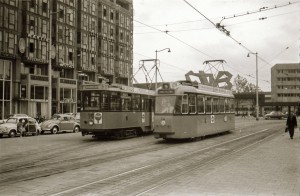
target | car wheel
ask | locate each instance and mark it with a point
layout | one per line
(42, 132)
(12, 134)
(1, 135)
(76, 129)
(54, 130)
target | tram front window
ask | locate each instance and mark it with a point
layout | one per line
(165, 105)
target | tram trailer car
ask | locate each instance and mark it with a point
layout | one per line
(116, 111)
(183, 111)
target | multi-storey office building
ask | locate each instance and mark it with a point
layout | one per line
(90, 40)
(285, 85)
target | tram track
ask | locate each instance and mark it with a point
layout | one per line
(36, 169)
(141, 180)
(44, 157)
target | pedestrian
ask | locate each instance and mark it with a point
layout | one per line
(291, 123)
(20, 127)
(243, 115)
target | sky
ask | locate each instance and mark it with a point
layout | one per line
(187, 27)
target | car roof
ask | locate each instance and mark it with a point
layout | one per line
(19, 115)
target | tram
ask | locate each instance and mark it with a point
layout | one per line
(186, 111)
(115, 111)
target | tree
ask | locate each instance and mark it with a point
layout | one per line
(242, 86)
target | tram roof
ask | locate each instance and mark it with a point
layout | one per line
(115, 87)
(200, 89)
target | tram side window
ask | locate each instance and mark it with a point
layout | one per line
(200, 104)
(208, 102)
(115, 101)
(184, 104)
(126, 102)
(145, 104)
(222, 105)
(215, 104)
(232, 106)
(227, 105)
(104, 102)
(91, 101)
(136, 102)
(192, 104)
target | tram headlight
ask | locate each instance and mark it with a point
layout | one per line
(91, 123)
(163, 123)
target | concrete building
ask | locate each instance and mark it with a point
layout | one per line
(285, 86)
(90, 40)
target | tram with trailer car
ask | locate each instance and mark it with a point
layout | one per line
(184, 111)
(116, 111)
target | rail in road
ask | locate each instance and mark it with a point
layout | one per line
(125, 167)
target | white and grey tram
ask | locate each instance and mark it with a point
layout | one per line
(184, 111)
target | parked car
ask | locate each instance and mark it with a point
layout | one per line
(275, 115)
(60, 123)
(75, 115)
(9, 128)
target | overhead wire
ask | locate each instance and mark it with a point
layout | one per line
(168, 33)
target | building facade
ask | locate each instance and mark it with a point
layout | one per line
(285, 86)
(68, 40)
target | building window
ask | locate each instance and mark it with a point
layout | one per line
(111, 48)
(104, 12)
(121, 36)
(111, 31)
(44, 6)
(61, 13)
(31, 23)
(11, 43)
(111, 16)
(31, 47)
(32, 3)
(60, 33)
(70, 56)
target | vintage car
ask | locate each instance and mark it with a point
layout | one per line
(9, 128)
(60, 123)
(75, 115)
(275, 115)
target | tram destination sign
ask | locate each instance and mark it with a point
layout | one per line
(166, 91)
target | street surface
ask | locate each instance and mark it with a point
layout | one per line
(69, 164)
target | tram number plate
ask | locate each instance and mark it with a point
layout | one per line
(212, 118)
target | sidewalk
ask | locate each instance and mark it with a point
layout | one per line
(272, 168)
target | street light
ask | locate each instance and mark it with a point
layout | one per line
(257, 107)
(156, 51)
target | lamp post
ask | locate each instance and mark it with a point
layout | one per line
(156, 51)
(256, 89)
